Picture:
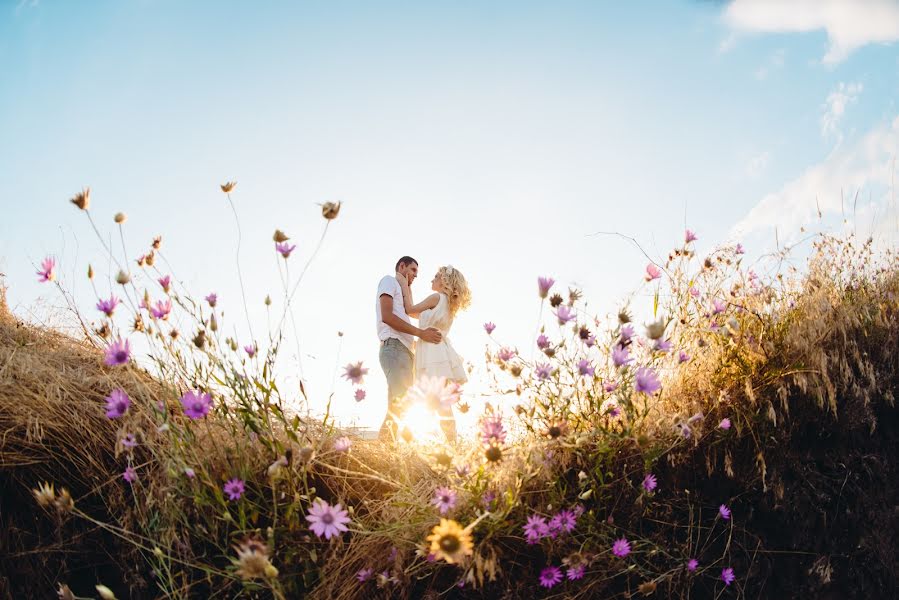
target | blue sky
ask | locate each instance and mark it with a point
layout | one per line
(492, 136)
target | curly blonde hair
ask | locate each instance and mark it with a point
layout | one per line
(456, 288)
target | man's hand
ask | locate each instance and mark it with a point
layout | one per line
(431, 335)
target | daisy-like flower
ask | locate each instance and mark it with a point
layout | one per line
(682, 357)
(550, 576)
(544, 284)
(564, 314)
(739, 249)
(108, 306)
(444, 499)
(129, 440)
(647, 382)
(542, 342)
(663, 346)
(355, 373)
(117, 403)
(724, 512)
(626, 333)
(610, 386)
(725, 423)
(506, 354)
(48, 270)
(621, 355)
(563, 521)
(212, 299)
(253, 560)
(689, 236)
(652, 272)
(165, 283)
(535, 529)
(489, 327)
(359, 395)
(118, 353)
(576, 572)
(196, 404)
(234, 488)
(718, 306)
(364, 575)
(621, 548)
(544, 371)
(250, 349)
(161, 310)
(130, 475)
(433, 392)
(727, 575)
(492, 430)
(285, 249)
(650, 482)
(326, 520)
(342, 444)
(692, 565)
(450, 542)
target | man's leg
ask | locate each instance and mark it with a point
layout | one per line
(396, 362)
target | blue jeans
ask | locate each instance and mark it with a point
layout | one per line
(397, 363)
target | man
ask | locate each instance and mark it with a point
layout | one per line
(396, 333)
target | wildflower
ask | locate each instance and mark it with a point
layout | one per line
(725, 423)
(364, 575)
(489, 327)
(563, 521)
(463, 470)
(120, 218)
(165, 282)
(656, 329)
(130, 475)
(610, 386)
(161, 310)
(555, 300)
(326, 520)
(285, 249)
(621, 548)
(108, 306)
(492, 431)
(211, 299)
(685, 430)
(234, 488)
(550, 576)
(621, 355)
(90, 271)
(663, 346)
(82, 199)
(122, 278)
(355, 372)
(444, 499)
(544, 283)
(117, 403)
(190, 473)
(44, 494)
(488, 498)
(330, 210)
(682, 357)
(689, 236)
(118, 353)
(647, 381)
(342, 444)
(727, 575)
(652, 272)
(279, 236)
(493, 453)
(433, 392)
(359, 395)
(590, 341)
(48, 270)
(506, 354)
(724, 512)
(544, 371)
(196, 405)
(576, 572)
(564, 314)
(694, 292)
(253, 560)
(556, 428)
(650, 482)
(228, 186)
(449, 541)
(692, 564)
(584, 368)
(250, 349)
(739, 249)
(542, 342)
(64, 502)
(611, 408)
(718, 306)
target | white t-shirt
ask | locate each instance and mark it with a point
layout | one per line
(390, 286)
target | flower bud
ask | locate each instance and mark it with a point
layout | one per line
(280, 236)
(122, 278)
(120, 217)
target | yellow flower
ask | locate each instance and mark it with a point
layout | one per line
(228, 186)
(330, 210)
(82, 199)
(450, 542)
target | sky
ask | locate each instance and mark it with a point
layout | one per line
(497, 137)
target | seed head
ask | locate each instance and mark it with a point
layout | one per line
(44, 494)
(122, 277)
(228, 186)
(330, 210)
(280, 236)
(120, 217)
(82, 199)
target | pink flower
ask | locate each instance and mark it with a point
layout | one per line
(161, 310)
(727, 575)
(359, 395)
(117, 403)
(118, 353)
(621, 548)
(544, 284)
(611, 408)
(535, 529)
(647, 382)
(590, 341)
(564, 314)
(506, 354)
(492, 430)
(724, 512)
(48, 270)
(689, 236)
(550, 576)
(327, 521)
(725, 423)
(694, 292)
(196, 405)
(108, 306)
(650, 482)
(212, 299)
(444, 499)
(165, 282)
(189, 473)
(355, 373)
(250, 349)
(718, 306)
(610, 386)
(285, 249)
(130, 475)
(626, 333)
(739, 249)
(364, 575)
(652, 272)
(663, 346)
(234, 488)
(563, 521)
(585, 369)
(692, 564)
(489, 327)
(576, 572)
(543, 371)
(129, 440)
(542, 342)
(683, 357)
(342, 444)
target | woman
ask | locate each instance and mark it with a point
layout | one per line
(451, 294)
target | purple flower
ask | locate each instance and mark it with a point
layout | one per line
(694, 292)
(543, 371)
(650, 482)
(621, 548)
(108, 306)
(652, 272)
(647, 382)
(492, 431)
(535, 529)
(611, 408)
(725, 423)
(165, 282)
(724, 512)
(685, 430)
(444, 499)
(129, 440)
(590, 341)
(489, 327)
(576, 572)
(542, 342)
(364, 574)
(506, 354)
(359, 395)
(718, 306)
(727, 575)
(48, 270)
(621, 355)
(689, 236)
(739, 249)
(212, 299)
(342, 444)
(682, 357)
(117, 403)
(189, 473)
(250, 349)
(488, 498)
(118, 353)
(285, 249)
(584, 368)
(196, 405)
(663, 345)
(544, 284)
(327, 521)
(355, 373)
(162, 309)
(550, 576)
(692, 564)
(610, 386)
(563, 521)
(234, 488)
(564, 314)
(130, 475)
(626, 333)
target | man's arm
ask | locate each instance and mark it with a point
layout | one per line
(430, 334)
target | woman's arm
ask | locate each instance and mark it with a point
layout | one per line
(413, 310)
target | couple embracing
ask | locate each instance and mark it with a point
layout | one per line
(402, 359)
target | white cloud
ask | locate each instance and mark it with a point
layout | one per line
(757, 165)
(866, 167)
(850, 24)
(835, 108)
(775, 61)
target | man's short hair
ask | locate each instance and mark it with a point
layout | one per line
(406, 260)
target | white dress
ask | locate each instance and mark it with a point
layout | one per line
(438, 360)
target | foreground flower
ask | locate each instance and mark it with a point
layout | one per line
(285, 249)
(450, 542)
(535, 529)
(330, 210)
(253, 560)
(563, 522)
(727, 575)
(107, 307)
(161, 310)
(542, 342)
(234, 488)
(506, 354)
(444, 499)
(250, 349)
(48, 270)
(663, 346)
(196, 405)
(433, 392)
(543, 371)
(228, 186)
(725, 423)
(492, 430)
(544, 284)
(585, 368)
(621, 355)
(117, 403)
(130, 475)
(359, 395)
(621, 548)
(489, 327)
(718, 306)
(739, 249)
(683, 357)
(626, 333)
(564, 314)
(576, 572)
(724, 512)
(118, 353)
(647, 382)
(326, 520)
(652, 272)
(550, 576)
(212, 299)
(649, 482)
(129, 440)
(355, 372)
(165, 282)
(364, 575)
(342, 444)
(692, 564)
(689, 236)
(82, 199)
(44, 494)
